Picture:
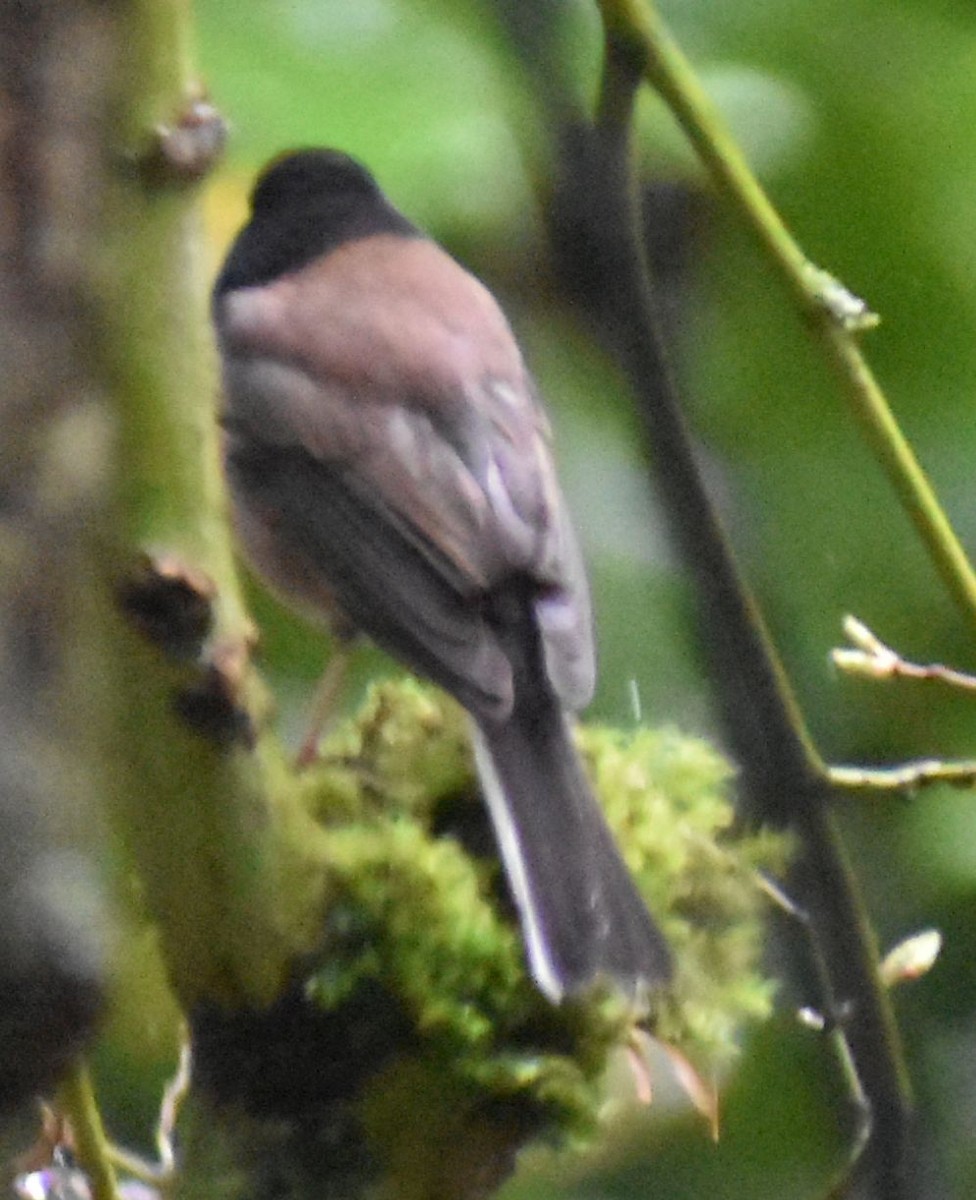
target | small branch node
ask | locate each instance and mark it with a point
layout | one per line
(185, 151)
(848, 311)
(170, 602)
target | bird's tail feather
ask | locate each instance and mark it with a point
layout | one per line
(581, 914)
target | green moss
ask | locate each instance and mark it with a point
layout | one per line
(667, 798)
(414, 911)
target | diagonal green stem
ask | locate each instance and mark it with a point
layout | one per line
(836, 316)
(903, 469)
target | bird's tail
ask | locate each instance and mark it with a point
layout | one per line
(581, 914)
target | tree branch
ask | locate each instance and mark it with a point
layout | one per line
(197, 784)
(783, 777)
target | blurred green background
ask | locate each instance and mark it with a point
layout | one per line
(860, 118)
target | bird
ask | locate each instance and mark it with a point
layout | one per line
(390, 468)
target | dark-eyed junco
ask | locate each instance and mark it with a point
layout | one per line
(390, 468)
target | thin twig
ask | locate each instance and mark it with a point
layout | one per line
(869, 655)
(904, 776)
(161, 1174)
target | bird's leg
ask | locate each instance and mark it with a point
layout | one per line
(325, 700)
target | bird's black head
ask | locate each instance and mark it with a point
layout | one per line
(304, 204)
(302, 177)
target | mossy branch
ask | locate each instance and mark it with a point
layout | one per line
(414, 1054)
(197, 786)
